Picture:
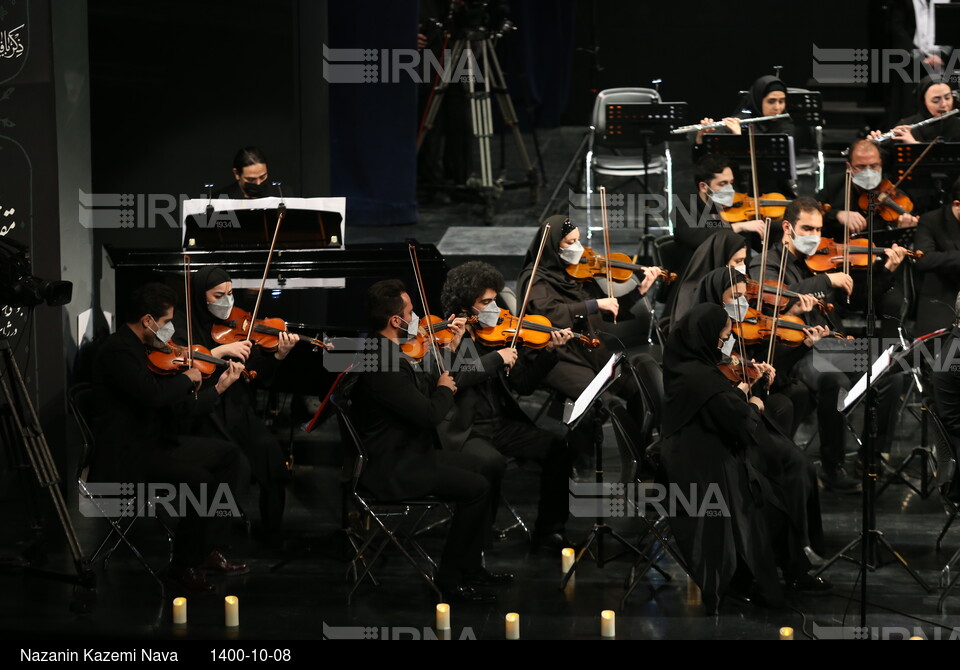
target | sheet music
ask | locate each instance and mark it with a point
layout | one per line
(196, 206)
(582, 404)
(884, 360)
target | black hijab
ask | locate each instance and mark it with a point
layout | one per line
(690, 360)
(552, 268)
(202, 281)
(760, 89)
(923, 86)
(715, 253)
(714, 283)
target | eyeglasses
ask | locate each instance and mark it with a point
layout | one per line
(872, 166)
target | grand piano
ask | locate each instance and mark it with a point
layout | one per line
(316, 278)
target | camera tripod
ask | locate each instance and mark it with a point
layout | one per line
(491, 83)
(24, 436)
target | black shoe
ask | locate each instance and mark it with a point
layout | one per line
(465, 593)
(483, 577)
(549, 541)
(811, 586)
(191, 579)
(836, 479)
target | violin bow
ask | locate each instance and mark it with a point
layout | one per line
(426, 308)
(533, 278)
(606, 242)
(740, 345)
(916, 162)
(188, 300)
(766, 233)
(776, 305)
(281, 213)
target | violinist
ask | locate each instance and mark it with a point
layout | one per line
(234, 418)
(251, 179)
(938, 234)
(397, 409)
(137, 422)
(713, 177)
(802, 224)
(568, 303)
(487, 422)
(711, 433)
(725, 249)
(866, 166)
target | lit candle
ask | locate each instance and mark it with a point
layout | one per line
(231, 611)
(443, 616)
(608, 623)
(916, 637)
(566, 560)
(786, 633)
(179, 610)
(513, 626)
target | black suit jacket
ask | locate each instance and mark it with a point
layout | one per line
(938, 235)
(525, 377)
(396, 411)
(137, 409)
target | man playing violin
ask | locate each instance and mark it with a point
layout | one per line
(866, 167)
(396, 409)
(487, 421)
(713, 176)
(137, 427)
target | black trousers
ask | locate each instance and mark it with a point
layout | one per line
(202, 466)
(495, 442)
(459, 481)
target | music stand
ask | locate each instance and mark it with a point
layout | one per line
(805, 107)
(888, 360)
(573, 413)
(775, 152)
(941, 165)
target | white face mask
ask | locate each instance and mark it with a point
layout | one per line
(727, 347)
(489, 316)
(723, 196)
(806, 244)
(868, 179)
(572, 253)
(413, 326)
(737, 310)
(221, 308)
(164, 334)
(742, 269)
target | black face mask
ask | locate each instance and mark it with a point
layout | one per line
(253, 190)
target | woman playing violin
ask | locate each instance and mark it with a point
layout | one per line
(234, 418)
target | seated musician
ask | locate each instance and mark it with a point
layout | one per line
(711, 436)
(934, 98)
(802, 224)
(235, 418)
(487, 421)
(767, 97)
(251, 179)
(866, 165)
(713, 176)
(725, 249)
(569, 303)
(137, 425)
(938, 235)
(396, 410)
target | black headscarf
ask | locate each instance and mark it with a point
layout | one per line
(715, 253)
(202, 281)
(552, 268)
(690, 360)
(760, 89)
(714, 283)
(922, 86)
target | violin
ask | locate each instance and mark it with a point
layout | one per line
(738, 370)
(757, 327)
(891, 201)
(829, 254)
(772, 287)
(534, 332)
(744, 207)
(416, 347)
(173, 359)
(593, 265)
(266, 332)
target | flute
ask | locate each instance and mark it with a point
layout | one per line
(933, 119)
(717, 124)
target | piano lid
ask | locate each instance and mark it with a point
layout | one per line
(223, 223)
